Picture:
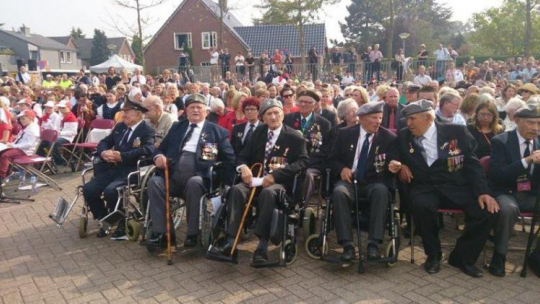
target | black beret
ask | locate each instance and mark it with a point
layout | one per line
(134, 105)
(528, 111)
(422, 105)
(309, 93)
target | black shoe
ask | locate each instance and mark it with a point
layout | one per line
(534, 263)
(469, 270)
(497, 265)
(224, 249)
(433, 263)
(101, 233)
(159, 240)
(348, 254)
(191, 241)
(373, 252)
(120, 232)
(259, 257)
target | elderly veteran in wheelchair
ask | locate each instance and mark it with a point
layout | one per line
(118, 154)
(189, 149)
(361, 153)
(282, 152)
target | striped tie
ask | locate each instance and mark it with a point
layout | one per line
(268, 148)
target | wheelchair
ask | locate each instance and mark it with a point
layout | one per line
(317, 245)
(286, 220)
(208, 203)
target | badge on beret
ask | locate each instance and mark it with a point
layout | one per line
(137, 142)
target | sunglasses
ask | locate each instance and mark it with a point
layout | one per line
(287, 96)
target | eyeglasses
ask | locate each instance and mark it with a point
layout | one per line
(348, 95)
(287, 96)
(250, 109)
(487, 115)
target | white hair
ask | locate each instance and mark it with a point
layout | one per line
(344, 106)
(216, 104)
(513, 105)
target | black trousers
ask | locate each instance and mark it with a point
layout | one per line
(478, 224)
(106, 182)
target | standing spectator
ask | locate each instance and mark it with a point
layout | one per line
(422, 55)
(422, 78)
(367, 64)
(83, 79)
(250, 64)
(183, 63)
(23, 76)
(452, 53)
(225, 58)
(313, 63)
(288, 63)
(214, 60)
(399, 60)
(351, 59)
(239, 62)
(375, 57)
(48, 83)
(277, 60)
(348, 79)
(65, 82)
(441, 55)
(137, 77)
(263, 62)
(165, 78)
(337, 60)
(529, 72)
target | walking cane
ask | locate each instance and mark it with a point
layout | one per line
(168, 214)
(247, 208)
(530, 240)
(361, 268)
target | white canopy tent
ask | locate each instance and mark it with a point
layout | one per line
(117, 62)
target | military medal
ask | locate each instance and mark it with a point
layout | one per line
(285, 153)
(411, 150)
(137, 142)
(239, 134)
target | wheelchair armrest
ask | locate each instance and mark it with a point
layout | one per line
(212, 174)
(143, 162)
(328, 178)
(83, 173)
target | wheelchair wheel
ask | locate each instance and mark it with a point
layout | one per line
(308, 222)
(83, 227)
(291, 252)
(390, 253)
(132, 230)
(313, 246)
(177, 213)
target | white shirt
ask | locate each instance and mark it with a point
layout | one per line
(274, 139)
(458, 76)
(422, 80)
(53, 123)
(347, 80)
(100, 108)
(359, 145)
(214, 57)
(246, 129)
(191, 144)
(28, 139)
(25, 77)
(133, 129)
(69, 130)
(140, 79)
(522, 147)
(441, 54)
(95, 80)
(430, 144)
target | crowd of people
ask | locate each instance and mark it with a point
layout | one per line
(426, 135)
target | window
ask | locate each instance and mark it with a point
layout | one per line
(181, 40)
(68, 58)
(209, 40)
(34, 55)
(62, 58)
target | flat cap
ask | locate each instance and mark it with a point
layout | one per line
(414, 88)
(529, 87)
(422, 105)
(195, 98)
(309, 93)
(269, 103)
(370, 108)
(134, 105)
(528, 111)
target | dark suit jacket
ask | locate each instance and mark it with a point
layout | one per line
(330, 116)
(506, 166)
(386, 115)
(316, 136)
(459, 186)
(210, 134)
(237, 135)
(383, 147)
(289, 144)
(140, 145)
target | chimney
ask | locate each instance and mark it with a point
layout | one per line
(25, 30)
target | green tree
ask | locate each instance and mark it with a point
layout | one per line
(76, 33)
(137, 47)
(99, 52)
(296, 12)
(502, 31)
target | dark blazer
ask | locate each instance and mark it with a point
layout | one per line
(210, 134)
(140, 145)
(316, 136)
(458, 186)
(289, 144)
(237, 135)
(382, 148)
(386, 116)
(330, 116)
(505, 164)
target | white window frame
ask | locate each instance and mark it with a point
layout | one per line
(62, 57)
(190, 40)
(68, 57)
(212, 36)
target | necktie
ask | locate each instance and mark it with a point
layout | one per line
(392, 119)
(248, 134)
(268, 147)
(362, 160)
(19, 139)
(419, 142)
(126, 137)
(527, 151)
(188, 136)
(303, 124)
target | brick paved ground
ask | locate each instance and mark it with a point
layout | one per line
(40, 263)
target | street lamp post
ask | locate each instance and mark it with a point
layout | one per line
(403, 37)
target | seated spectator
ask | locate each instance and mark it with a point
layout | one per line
(109, 109)
(51, 120)
(84, 108)
(236, 116)
(24, 144)
(217, 112)
(468, 106)
(511, 107)
(484, 126)
(6, 127)
(157, 118)
(449, 105)
(422, 78)
(26, 104)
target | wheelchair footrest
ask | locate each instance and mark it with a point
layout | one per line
(215, 256)
(337, 260)
(265, 264)
(112, 219)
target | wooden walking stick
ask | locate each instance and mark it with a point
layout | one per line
(168, 214)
